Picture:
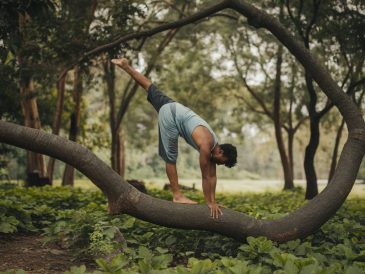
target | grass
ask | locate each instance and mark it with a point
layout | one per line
(232, 186)
(226, 186)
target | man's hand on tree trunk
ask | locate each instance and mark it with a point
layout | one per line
(215, 211)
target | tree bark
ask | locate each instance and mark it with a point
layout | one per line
(35, 161)
(124, 198)
(335, 151)
(310, 151)
(68, 175)
(121, 154)
(109, 76)
(288, 180)
(57, 121)
(291, 154)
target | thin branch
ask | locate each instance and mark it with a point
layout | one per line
(350, 91)
(250, 90)
(313, 19)
(173, 25)
(294, 20)
(291, 94)
(250, 106)
(301, 121)
(234, 18)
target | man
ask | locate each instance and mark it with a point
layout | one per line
(174, 119)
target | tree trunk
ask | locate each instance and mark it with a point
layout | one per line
(335, 151)
(57, 121)
(35, 161)
(124, 198)
(118, 153)
(291, 154)
(310, 152)
(109, 77)
(288, 180)
(121, 154)
(114, 152)
(68, 175)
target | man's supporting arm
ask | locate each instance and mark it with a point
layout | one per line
(209, 181)
(142, 80)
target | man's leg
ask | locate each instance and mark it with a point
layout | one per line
(154, 95)
(178, 197)
(142, 80)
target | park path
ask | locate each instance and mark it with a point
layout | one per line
(27, 252)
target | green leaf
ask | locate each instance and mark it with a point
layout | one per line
(144, 267)
(144, 252)
(170, 240)
(162, 250)
(7, 228)
(290, 267)
(129, 223)
(353, 269)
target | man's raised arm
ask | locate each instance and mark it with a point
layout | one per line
(142, 80)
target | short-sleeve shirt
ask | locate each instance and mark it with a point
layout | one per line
(174, 120)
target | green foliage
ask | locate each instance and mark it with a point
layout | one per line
(34, 209)
(122, 244)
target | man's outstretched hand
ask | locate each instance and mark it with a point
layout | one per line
(121, 62)
(215, 211)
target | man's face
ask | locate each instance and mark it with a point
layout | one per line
(218, 157)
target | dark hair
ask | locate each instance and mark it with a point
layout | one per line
(230, 152)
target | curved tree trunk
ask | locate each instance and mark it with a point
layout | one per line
(123, 198)
(126, 199)
(310, 152)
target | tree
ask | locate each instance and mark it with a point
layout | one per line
(124, 198)
(312, 22)
(252, 56)
(24, 28)
(80, 26)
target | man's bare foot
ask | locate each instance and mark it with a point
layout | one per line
(121, 62)
(181, 199)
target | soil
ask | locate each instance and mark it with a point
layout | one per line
(28, 252)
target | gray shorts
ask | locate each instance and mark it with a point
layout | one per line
(157, 98)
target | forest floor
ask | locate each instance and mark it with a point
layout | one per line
(27, 252)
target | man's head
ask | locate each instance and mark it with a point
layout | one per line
(225, 154)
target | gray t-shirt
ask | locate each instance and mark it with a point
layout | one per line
(174, 120)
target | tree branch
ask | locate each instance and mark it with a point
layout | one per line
(148, 33)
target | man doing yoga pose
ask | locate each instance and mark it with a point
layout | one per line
(176, 120)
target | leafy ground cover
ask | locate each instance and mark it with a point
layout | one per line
(76, 220)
